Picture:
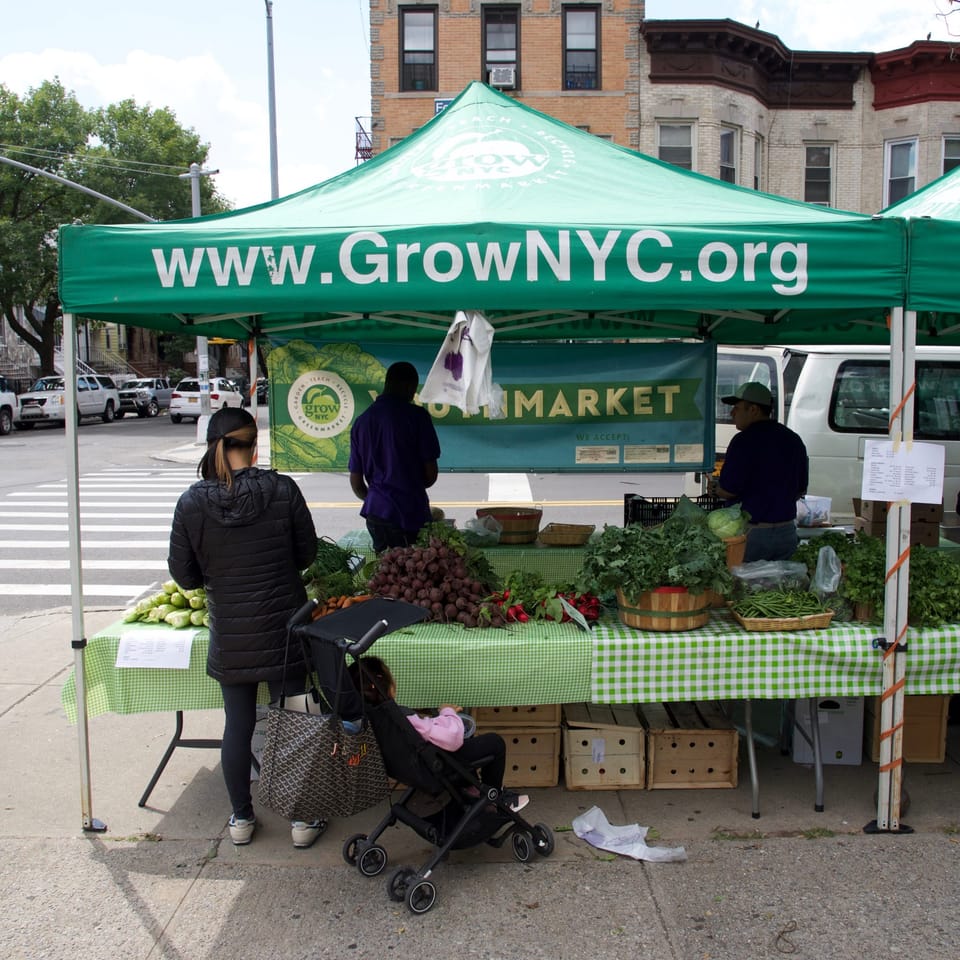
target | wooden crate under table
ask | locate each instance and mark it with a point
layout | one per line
(690, 746)
(533, 755)
(603, 747)
(547, 715)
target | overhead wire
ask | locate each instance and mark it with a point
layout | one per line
(107, 162)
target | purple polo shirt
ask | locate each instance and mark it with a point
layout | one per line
(389, 444)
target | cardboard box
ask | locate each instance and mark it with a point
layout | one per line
(924, 728)
(603, 747)
(877, 510)
(690, 746)
(841, 731)
(547, 715)
(533, 755)
(921, 532)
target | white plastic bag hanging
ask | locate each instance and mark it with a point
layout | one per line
(462, 373)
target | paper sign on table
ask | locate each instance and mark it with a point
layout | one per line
(157, 648)
(575, 615)
(901, 471)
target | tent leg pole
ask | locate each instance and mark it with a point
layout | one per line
(90, 823)
(903, 334)
(79, 642)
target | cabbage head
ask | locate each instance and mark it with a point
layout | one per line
(728, 522)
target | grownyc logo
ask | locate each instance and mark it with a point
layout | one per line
(492, 157)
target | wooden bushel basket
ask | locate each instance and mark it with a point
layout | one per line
(736, 548)
(666, 609)
(520, 524)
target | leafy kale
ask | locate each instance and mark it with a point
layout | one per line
(680, 552)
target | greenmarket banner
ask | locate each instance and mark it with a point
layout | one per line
(586, 407)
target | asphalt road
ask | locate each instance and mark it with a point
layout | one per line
(133, 470)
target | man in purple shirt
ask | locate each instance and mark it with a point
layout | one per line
(766, 469)
(393, 460)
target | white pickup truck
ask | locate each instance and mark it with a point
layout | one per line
(8, 406)
(46, 403)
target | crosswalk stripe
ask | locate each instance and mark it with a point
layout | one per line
(89, 545)
(126, 590)
(22, 564)
(88, 527)
(63, 514)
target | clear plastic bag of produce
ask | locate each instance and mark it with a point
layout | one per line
(769, 575)
(482, 532)
(826, 584)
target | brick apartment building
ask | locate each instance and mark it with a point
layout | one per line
(854, 130)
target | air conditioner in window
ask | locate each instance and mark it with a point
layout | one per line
(503, 77)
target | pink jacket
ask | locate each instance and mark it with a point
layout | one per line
(444, 731)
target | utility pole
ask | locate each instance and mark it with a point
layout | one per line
(203, 358)
(272, 105)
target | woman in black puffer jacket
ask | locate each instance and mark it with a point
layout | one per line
(244, 534)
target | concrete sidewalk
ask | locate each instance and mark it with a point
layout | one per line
(165, 882)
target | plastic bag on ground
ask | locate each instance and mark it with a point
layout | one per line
(630, 840)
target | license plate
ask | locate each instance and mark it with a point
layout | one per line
(192, 400)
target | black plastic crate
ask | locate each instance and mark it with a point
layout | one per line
(650, 511)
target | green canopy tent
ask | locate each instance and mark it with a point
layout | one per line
(552, 232)
(933, 227)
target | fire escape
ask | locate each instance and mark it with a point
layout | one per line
(364, 148)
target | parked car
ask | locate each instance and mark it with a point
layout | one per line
(144, 396)
(8, 406)
(97, 396)
(185, 399)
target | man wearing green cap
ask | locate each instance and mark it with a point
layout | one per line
(766, 469)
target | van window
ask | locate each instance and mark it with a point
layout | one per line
(861, 404)
(734, 370)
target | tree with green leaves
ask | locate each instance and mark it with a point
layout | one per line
(129, 153)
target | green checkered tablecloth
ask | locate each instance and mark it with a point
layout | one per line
(532, 663)
(722, 661)
(536, 663)
(554, 564)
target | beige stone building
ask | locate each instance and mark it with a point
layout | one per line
(854, 130)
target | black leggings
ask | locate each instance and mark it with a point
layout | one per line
(485, 745)
(240, 717)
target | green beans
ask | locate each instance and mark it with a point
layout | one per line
(778, 604)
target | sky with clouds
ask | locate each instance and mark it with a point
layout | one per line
(208, 63)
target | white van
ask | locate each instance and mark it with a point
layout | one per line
(837, 397)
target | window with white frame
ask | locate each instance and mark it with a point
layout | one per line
(675, 144)
(581, 48)
(899, 170)
(818, 174)
(501, 45)
(728, 154)
(758, 162)
(418, 48)
(951, 153)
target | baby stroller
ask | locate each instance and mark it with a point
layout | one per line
(467, 812)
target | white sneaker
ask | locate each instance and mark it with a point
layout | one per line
(518, 802)
(305, 834)
(241, 831)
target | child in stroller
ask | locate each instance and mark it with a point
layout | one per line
(486, 753)
(476, 810)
